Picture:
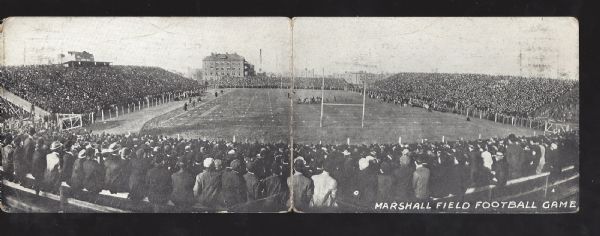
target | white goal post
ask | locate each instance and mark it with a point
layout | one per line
(69, 121)
(323, 103)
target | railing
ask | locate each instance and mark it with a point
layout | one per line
(106, 202)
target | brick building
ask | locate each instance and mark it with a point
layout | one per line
(219, 65)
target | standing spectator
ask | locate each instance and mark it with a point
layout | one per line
(208, 184)
(139, 166)
(325, 187)
(78, 175)
(53, 169)
(8, 152)
(500, 169)
(402, 179)
(274, 190)
(364, 189)
(183, 187)
(234, 188)
(94, 174)
(159, 184)
(301, 186)
(38, 166)
(384, 182)
(252, 183)
(420, 180)
(513, 157)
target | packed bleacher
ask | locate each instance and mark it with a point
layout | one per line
(358, 176)
(509, 95)
(190, 174)
(59, 89)
(278, 82)
(9, 110)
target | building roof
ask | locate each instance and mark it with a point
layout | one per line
(224, 57)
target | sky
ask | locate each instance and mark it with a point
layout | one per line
(451, 45)
(497, 46)
(173, 43)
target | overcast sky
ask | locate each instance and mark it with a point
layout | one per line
(455, 45)
(390, 45)
(169, 42)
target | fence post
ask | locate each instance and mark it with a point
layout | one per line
(496, 117)
(117, 110)
(102, 114)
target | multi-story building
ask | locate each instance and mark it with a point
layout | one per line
(219, 65)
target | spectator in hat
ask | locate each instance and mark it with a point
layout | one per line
(94, 173)
(38, 165)
(52, 173)
(78, 175)
(183, 187)
(420, 180)
(116, 169)
(208, 184)
(301, 186)
(233, 186)
(158, 180)
(325, 187)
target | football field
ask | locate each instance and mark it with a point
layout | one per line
(263, 115)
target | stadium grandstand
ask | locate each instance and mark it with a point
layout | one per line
(138, 172)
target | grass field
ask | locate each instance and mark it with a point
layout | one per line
(263, 115)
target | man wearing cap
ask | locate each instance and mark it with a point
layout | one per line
(208, 185)
(53, 169)
(233, 186)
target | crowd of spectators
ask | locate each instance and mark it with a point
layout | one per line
(9, 110)
(60, 89)
(509, 95)
(250, 82)
(331, 176)
(278, 82)
(191, 174)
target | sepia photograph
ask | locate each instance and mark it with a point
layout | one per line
(275, 114)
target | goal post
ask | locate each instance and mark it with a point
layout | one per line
(69, 121)
(323, 103)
